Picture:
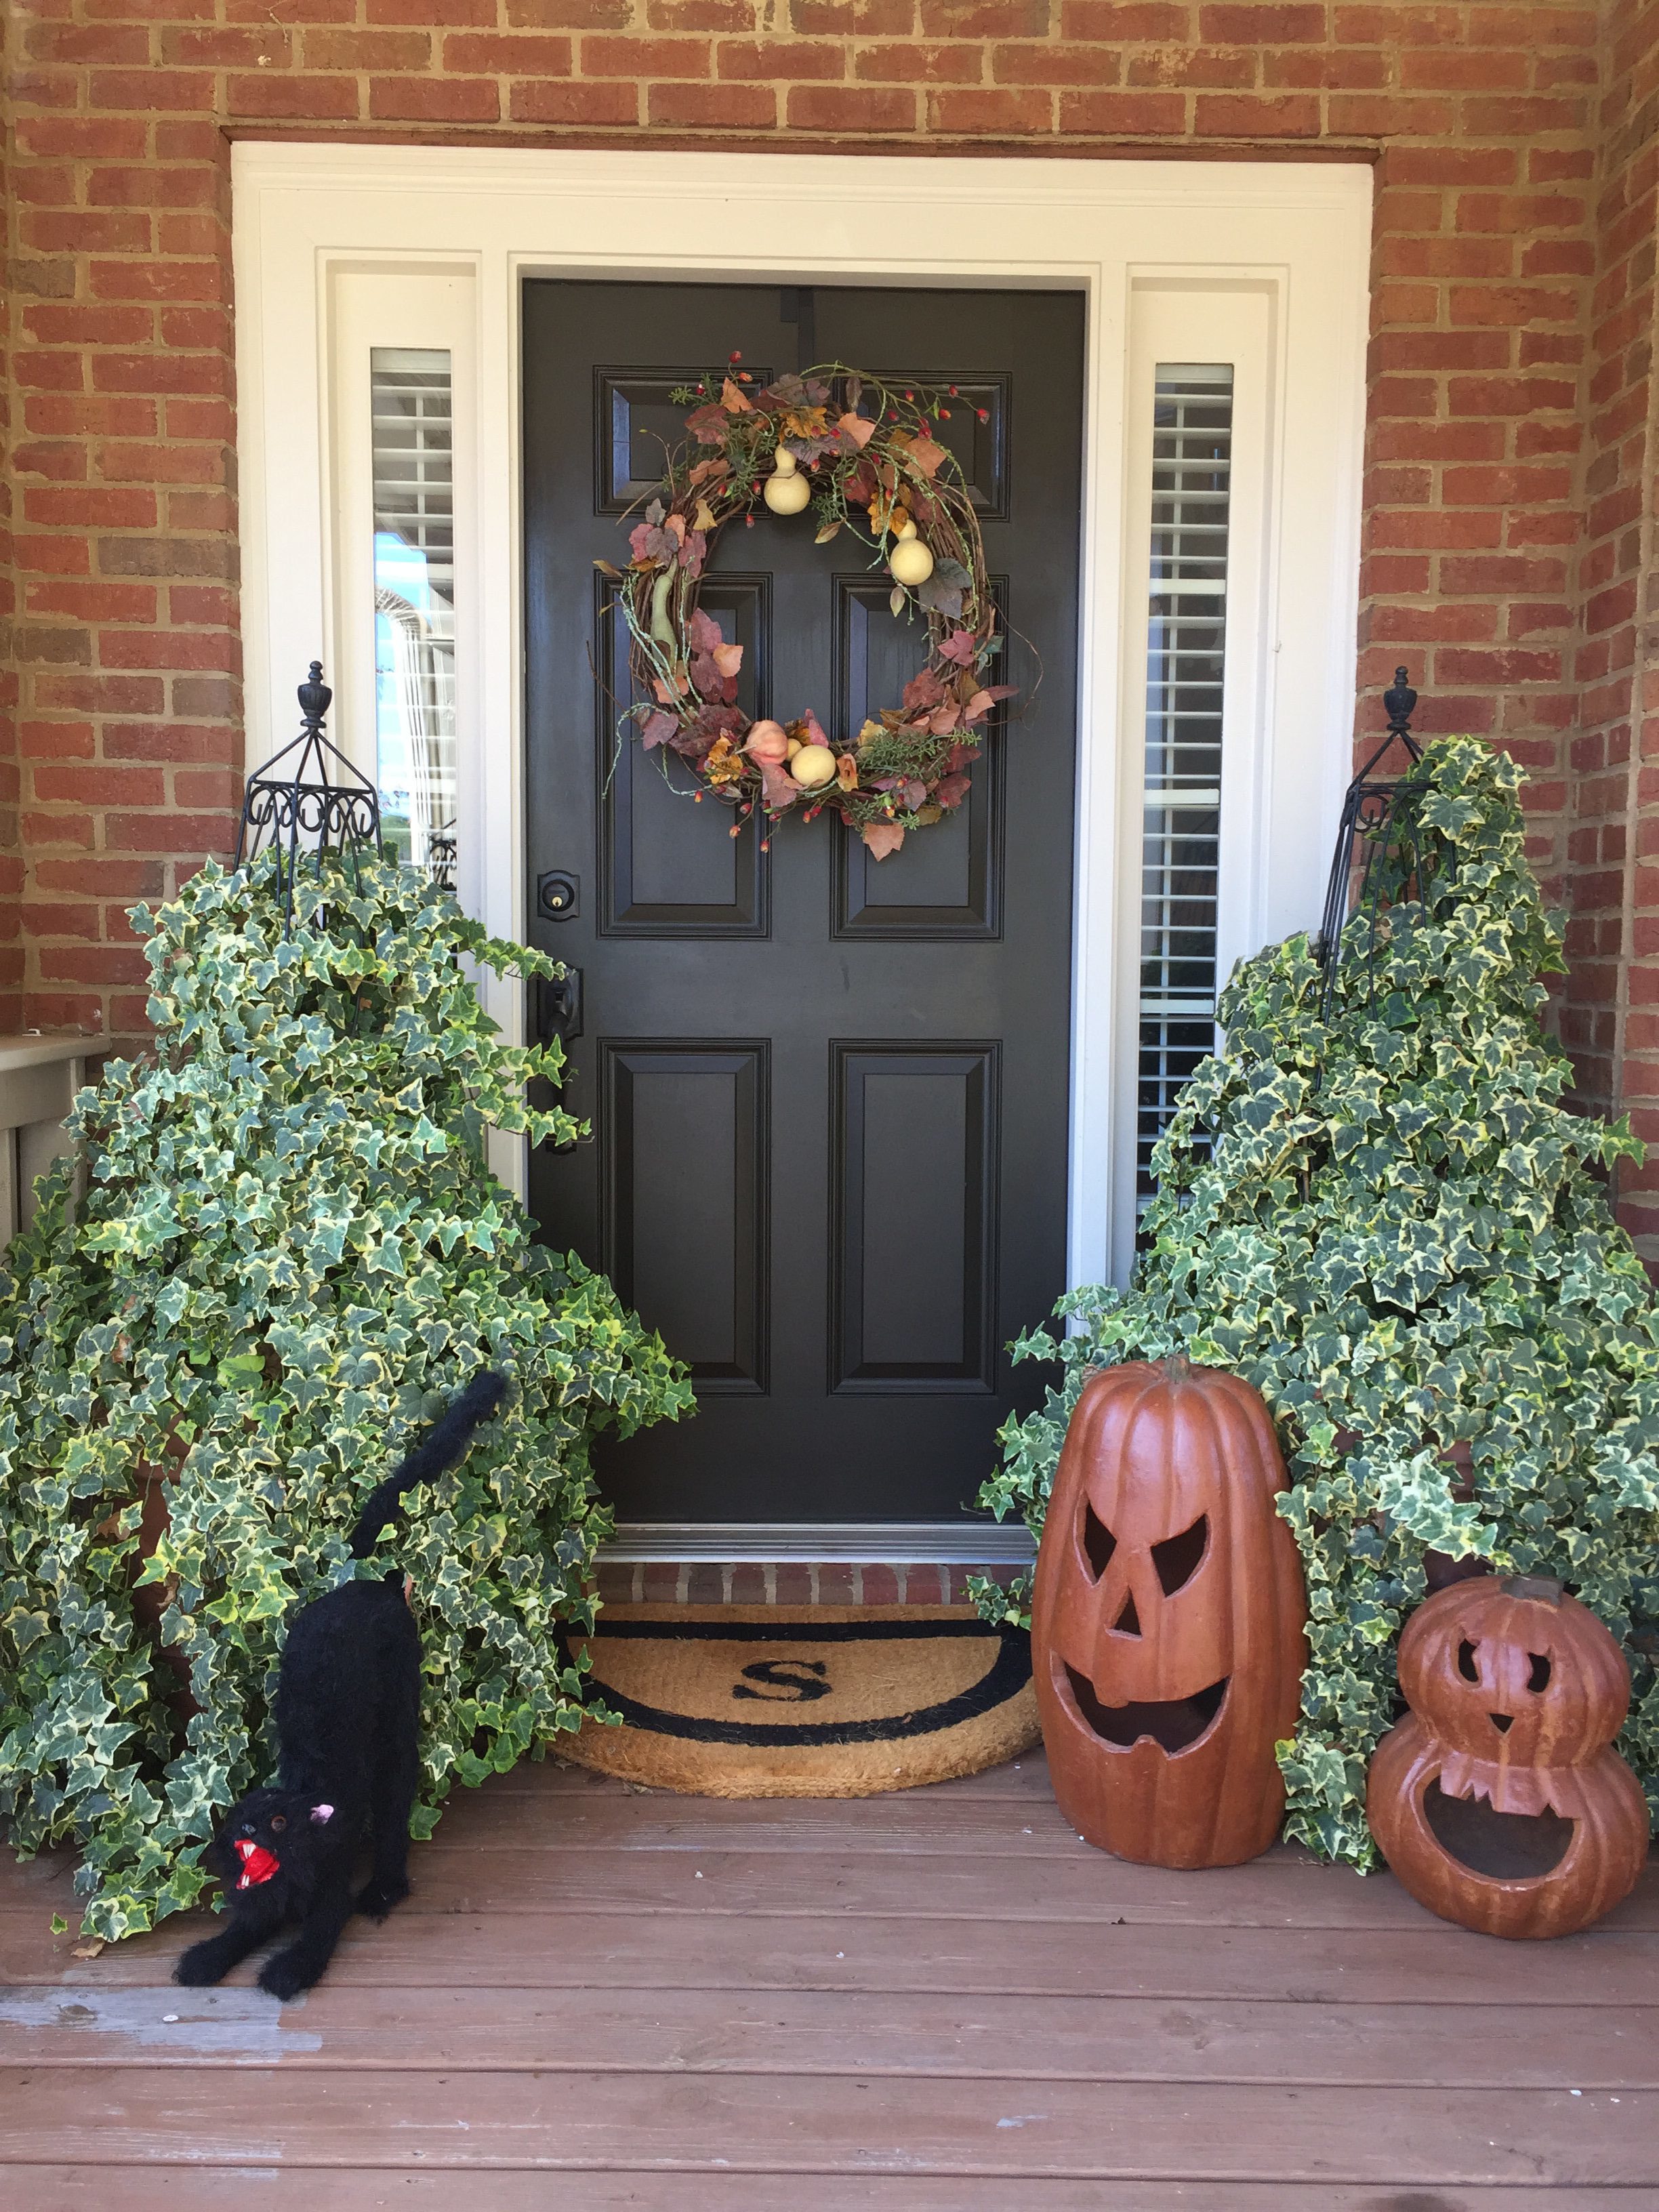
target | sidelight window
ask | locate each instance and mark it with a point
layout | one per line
(414, 524)
(1185, 646)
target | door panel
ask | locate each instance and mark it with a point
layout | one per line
(829, 1097)
(916, 1305)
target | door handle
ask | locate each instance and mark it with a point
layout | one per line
(559, 1007)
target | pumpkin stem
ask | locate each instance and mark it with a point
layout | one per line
(1544, 1588)
(1177, 1367)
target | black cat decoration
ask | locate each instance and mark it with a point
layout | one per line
(348, 1713)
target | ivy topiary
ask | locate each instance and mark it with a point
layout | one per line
(277, 1253)
(1389, 1223)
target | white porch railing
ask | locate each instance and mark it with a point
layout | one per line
(39, 1076)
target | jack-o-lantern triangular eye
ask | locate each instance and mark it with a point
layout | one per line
(1177, 1557)
(1538, 1677)
(1098, 1541)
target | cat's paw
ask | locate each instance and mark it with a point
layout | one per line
(289, 1973)
(202, 1965)
(377, 1898)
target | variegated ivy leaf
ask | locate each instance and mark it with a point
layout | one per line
(288, 1256)
(1393, 1227)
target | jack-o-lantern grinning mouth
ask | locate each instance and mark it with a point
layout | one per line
(1174, 1724)
(1504, 1846)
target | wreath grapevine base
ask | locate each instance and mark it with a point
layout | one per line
(861, 456)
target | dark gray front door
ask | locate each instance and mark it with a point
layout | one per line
(829, 1097)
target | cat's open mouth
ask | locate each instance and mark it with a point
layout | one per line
(1174, 1723)
(258, 1863)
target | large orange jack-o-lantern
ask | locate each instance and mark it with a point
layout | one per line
(1167, 1619)
(1498, 1801)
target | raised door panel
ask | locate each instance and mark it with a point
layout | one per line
(913, 1211)
(636, 424)
(669, 865)
(945, 884)
(684, 1146)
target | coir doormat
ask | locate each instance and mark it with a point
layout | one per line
(818, 1701)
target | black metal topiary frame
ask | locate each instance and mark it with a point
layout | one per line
(301, 810)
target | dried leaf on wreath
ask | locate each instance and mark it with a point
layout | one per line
(728, 659)
(976, 706)
(702, 631)
(703, 519)
(733, 401)
(926, 815)
(895, 600)
(779, 789)
(708, 426)
(812, 730)
(952, 789)
(944, 720)
(857, 429)
(653, 512)
(941, 598)
(716, 465)
(828, 532)
(925, 689)
(657, 729)
(957, 645)
(915, 795)
(610, 568)
(847, 771)
(725, 763)
(882, 838)
(924, 454)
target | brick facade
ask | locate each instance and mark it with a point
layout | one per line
(1510, 468)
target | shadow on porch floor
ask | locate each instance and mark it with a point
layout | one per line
(934, 2001)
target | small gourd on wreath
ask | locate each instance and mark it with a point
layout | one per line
(862, 456)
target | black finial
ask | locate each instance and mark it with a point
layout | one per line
(315, 696)
(1400, 702)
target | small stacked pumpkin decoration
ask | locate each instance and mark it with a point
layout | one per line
(1498, 1801)
(1167, 1618)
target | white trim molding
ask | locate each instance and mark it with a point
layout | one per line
(1266, 262)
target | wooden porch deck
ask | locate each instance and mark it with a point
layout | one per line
(935, 2002)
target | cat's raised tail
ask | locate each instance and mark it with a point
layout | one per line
(440, 1448)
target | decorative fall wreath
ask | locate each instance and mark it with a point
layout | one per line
(861, 455)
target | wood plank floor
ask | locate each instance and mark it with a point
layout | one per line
(935, 2002)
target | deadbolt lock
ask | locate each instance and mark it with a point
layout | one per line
(557, 895)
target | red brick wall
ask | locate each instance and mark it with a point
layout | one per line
(1507, 139)
(1612, 1020)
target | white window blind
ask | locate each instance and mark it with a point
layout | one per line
(414, 502)
(1185, 646)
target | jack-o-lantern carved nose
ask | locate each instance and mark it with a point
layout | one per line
(1128, 1621)
(1502, 1722)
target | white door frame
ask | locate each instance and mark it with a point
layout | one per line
(1292, 237)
